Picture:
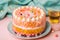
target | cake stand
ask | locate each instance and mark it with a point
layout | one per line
(47, 30)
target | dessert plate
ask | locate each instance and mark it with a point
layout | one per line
(47, 30)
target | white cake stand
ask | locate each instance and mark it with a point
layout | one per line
(47, 30)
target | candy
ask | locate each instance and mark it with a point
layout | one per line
(37, 18)
(33, 19)
(28, 20)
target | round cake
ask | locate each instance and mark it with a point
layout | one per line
(28, 20)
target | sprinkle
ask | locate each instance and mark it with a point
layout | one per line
(19, 8)
(37, 18)
(26, 6)
(18, 18)
(15, 32)
(35, 7)
(41, 14)
(38, 8)
(23, 35)
(15, 16)
(28, 20)
(32, 35)
(30, 7)
(20, 12)
(53, 31)
(56, 35)
(38, 34)
(22, 7)
(32, 19)
(29, 34)
(23, 19)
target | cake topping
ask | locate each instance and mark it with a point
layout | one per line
(37, 18)
(29, 15)
(33, 19)
(31, 7)
(18, 18)
(35, 7)
(28, 20)
(22, 7)
(29, 12)
(21, 13)
(38, 8)
(23, 19)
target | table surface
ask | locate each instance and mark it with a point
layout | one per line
(6, 35)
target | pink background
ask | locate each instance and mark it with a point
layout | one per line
(6, 35)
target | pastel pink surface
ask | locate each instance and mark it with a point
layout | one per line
(6, 35)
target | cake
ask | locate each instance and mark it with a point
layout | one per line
(28, 20)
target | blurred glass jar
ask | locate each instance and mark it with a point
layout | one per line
(54, 16)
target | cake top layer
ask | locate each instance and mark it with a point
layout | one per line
(26, 13)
